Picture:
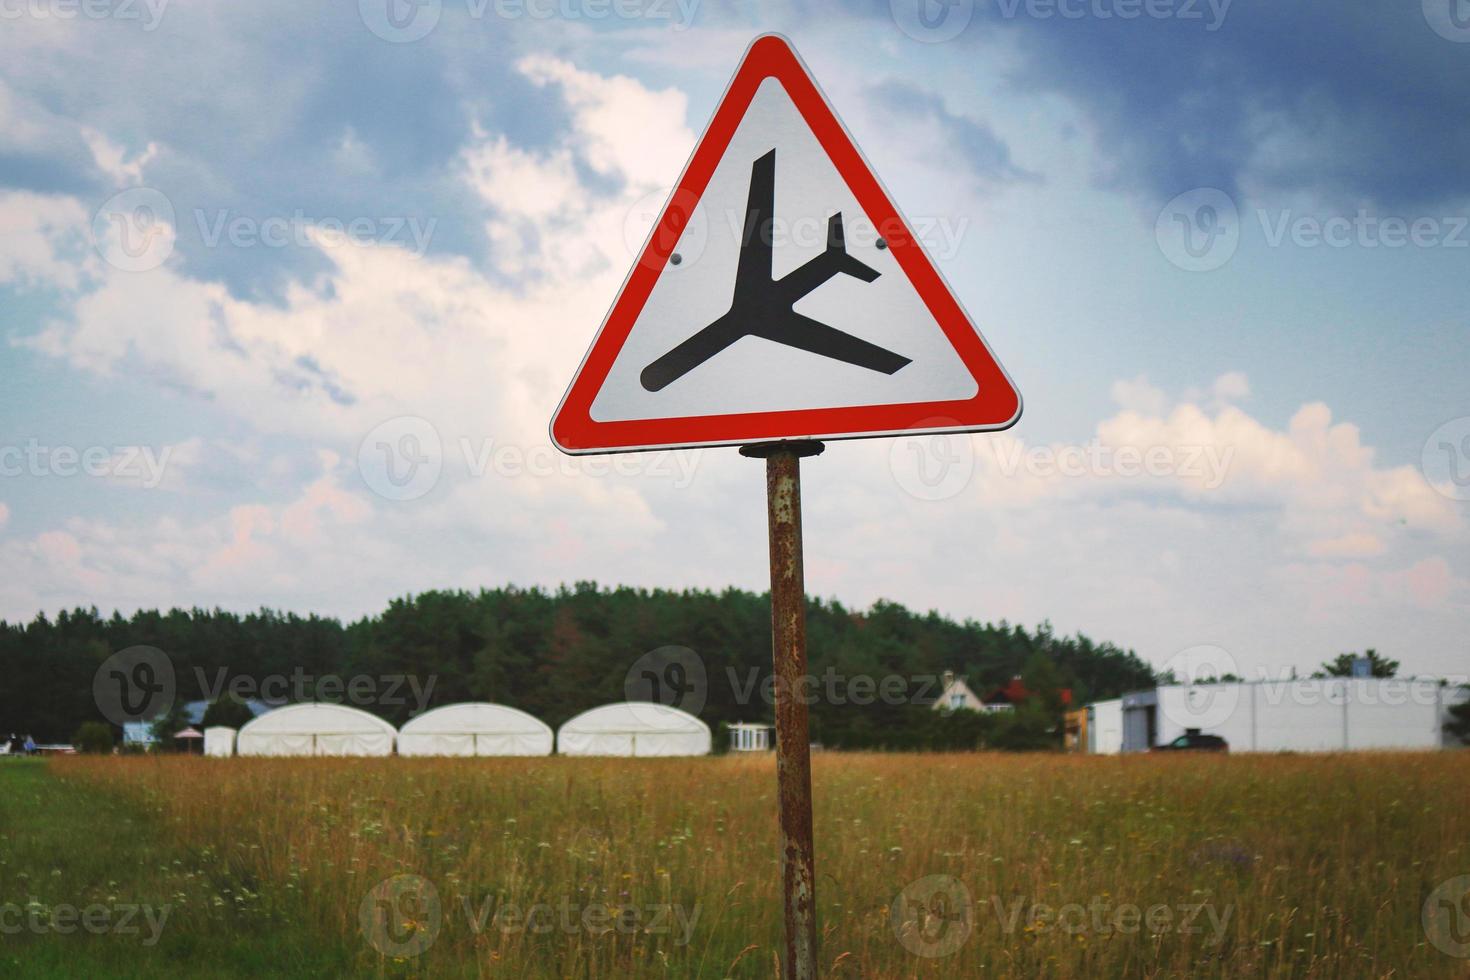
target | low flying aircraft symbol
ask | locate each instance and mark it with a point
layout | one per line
(762, 306)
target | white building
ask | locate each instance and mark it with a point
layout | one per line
(475, 729)
(1105, 727)
(634, 728)
(219, 741)
(750, 737)
(1333, 714)
(316, 729)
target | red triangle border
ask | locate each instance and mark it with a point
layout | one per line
(996, 405)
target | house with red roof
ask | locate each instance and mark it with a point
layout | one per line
(956, 694)
(1015, 692)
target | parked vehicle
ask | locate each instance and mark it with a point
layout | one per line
(1194, 741)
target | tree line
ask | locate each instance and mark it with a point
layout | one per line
(555, 653)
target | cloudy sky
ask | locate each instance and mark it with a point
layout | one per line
(250, 252)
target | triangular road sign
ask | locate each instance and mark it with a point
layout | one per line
(780, 296)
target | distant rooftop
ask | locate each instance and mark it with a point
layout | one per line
(137, 732)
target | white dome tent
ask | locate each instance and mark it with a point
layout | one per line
(219, 741)
(634, 728)
(475, 728)
(316, 729)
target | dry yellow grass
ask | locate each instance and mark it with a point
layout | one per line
(1294, 865)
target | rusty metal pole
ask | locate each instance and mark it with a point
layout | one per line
(788, 651)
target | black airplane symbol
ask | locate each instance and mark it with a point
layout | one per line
(761, 306)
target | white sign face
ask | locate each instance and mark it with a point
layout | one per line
(755, 374)
(781, 296)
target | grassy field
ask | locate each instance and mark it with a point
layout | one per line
(928, 866)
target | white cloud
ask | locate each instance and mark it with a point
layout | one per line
(113, 160)
(1281, 544)
(388, 332)
(1139, 395)
(1303, 547)
(1354, 544)
(1231, 386)
(43, 241)
(252, 550)
(25, 126)
(620, 127)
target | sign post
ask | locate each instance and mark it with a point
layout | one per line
(793, 746)
(818, 316)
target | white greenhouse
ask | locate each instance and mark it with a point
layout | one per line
(634, 728)
(316, 729)
(475, 729)
(219, 741)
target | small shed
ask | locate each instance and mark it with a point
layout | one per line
(219, 741)
(1105, 727)
(750, 737)
(634, 728)
(316, 729)
(475, 728)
